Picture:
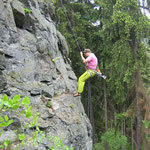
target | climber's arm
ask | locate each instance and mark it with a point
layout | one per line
(83, 59)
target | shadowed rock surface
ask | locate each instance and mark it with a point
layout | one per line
(34, 62)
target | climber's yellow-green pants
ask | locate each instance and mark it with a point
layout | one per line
(86, 75)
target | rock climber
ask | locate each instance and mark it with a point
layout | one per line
(91, 62)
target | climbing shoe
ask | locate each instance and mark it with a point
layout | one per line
(76, 94)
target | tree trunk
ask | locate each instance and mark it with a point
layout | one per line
(138, 84)
(132, 138)
(138, 125)
(123, 130)
(90, 109)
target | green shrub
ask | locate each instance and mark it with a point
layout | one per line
(23, 108)
(27, 10)
(58, 144)
(114, 139)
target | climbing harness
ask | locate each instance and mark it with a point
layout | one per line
(99, 75)
(89, 72)
(96, 73)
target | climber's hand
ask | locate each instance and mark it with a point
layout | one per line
(81, 53)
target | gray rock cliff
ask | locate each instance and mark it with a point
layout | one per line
(34, 62)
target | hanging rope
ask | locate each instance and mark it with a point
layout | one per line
(90, 109)
(74, 36)
(89, 98)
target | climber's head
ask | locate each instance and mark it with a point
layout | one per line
(87, 52)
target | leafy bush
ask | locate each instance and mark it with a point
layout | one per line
(23, 108)
(114, 139)
(58, 144)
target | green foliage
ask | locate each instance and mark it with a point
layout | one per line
(49, 52)
(22, 138)
(26, 102)
(10, 105)
(58, 144)
(114, 139)
(16, 103)
(5, 105)
(6, 143)
(49, 104)
(53, 1)
(5, 122)
(28, 112)
(72, 105)
(55, 59)
(147, 126)
(27, 10)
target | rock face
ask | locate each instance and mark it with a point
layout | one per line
(33, 62)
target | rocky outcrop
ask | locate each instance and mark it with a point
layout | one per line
(33, 62)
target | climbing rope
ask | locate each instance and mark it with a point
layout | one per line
(89, 98)
(90, 109)
(75, 38)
